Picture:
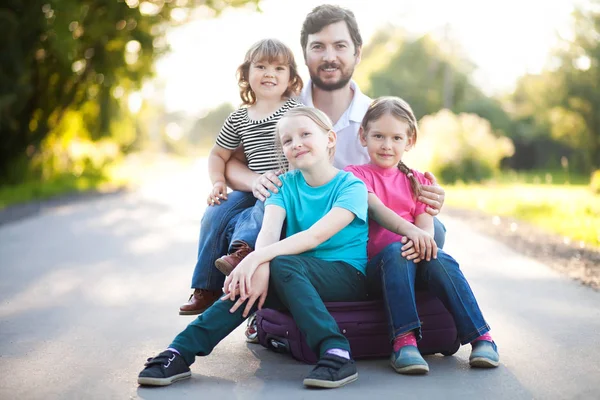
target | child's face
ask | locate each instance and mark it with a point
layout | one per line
(386, 140)
(269, 80)
(304, 143)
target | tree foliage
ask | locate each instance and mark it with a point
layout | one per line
(555, 111)
(578, 118)
(458, 147)
(64, 55)
(428, 74)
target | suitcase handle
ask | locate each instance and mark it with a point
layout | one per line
(278, 344)
(274, 329)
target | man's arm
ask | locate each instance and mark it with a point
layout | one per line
(240, 177)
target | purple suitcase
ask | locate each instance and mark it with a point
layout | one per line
(365, 325)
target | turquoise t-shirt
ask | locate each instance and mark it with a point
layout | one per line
(305, 205)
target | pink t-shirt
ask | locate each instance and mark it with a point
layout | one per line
(393, 189)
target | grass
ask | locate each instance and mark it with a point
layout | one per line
(569, 210)
(133, 171)
(61, 184)
(542, 177)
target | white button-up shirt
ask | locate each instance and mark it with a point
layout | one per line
(348, 150)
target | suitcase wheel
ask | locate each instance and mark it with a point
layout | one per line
(453, 349)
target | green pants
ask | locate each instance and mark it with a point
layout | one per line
(299, 284)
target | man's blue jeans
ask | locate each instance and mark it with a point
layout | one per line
(217, 229)
(391, 275)
(248, 225)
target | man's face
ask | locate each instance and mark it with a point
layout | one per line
(331, 57)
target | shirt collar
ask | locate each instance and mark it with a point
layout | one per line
(357, 109)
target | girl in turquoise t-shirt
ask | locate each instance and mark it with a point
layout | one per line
(323, 258)
(389, 128)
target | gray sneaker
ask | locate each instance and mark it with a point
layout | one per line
(332, 372)
(164, 369)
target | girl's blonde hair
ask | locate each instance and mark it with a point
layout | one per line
(400, 109)
(269, 50)
(315, 115)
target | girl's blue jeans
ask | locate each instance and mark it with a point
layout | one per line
(392, 276)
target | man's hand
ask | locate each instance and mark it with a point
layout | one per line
(259, 290)
(218, 193)
(433, 195)
(267, 181)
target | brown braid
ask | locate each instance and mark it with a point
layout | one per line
(414, 183)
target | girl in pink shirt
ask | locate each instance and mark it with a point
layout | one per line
(401, 248)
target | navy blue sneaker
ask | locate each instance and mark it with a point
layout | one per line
(332, 372)
(164, 369)
(484, 354)
(408, 360)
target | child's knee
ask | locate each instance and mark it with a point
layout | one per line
(392, 257)
(443, 266)
(282, 268)
(393, 249)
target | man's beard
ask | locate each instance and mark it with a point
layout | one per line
(329, 87)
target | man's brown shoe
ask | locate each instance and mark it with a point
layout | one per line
(199, 301)
(227, 263)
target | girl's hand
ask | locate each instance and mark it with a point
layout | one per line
(260, 289)
(269, 181)
(240, 279)
(418, 246)
(218, 193)
(433, 195)
(423, 243)
(408, 250)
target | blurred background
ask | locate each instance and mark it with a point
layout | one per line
(507, 93)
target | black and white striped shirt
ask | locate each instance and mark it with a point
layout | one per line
(258, 137)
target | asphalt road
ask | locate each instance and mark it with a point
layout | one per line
(89, 290)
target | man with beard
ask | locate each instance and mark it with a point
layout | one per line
(332, 45)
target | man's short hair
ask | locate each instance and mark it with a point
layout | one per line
(328, 14)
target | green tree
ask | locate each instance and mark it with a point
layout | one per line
(59, 56)
(427, 76)
(531, 103)
(458, 147)
(554, 111)
(576, 117)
